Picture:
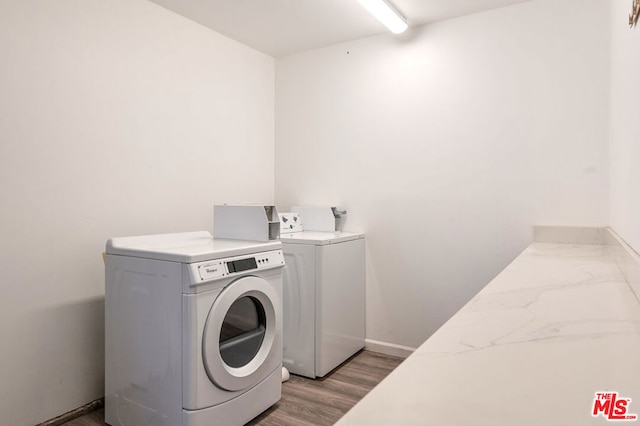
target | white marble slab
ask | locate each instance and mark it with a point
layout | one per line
(532, 348)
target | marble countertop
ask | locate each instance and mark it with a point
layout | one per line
(559, 324)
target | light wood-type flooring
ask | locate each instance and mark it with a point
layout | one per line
(307, 402)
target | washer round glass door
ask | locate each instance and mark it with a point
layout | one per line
(238, 340)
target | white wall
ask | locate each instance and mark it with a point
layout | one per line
(625, 132)
(448, 145)
(116, 118)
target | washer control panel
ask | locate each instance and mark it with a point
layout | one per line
(220, 268)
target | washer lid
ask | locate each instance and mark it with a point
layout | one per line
(185, 247)
(318, 238)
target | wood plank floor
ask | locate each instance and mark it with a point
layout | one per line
(307, 402)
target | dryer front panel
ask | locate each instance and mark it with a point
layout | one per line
(241, 343)
(232, 339)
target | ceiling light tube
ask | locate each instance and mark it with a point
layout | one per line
(386, 14)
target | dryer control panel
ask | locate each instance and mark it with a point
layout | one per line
(216, 269)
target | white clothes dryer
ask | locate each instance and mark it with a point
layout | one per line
(193, 330)
(323, 299)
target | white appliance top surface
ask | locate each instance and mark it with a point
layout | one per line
(186, 247)
(319, 238)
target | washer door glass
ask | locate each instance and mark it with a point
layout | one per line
(242, 339)
(242, 331)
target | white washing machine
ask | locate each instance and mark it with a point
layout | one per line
(193, 330)
(323, 300)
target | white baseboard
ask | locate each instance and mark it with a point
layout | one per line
(569, 234)
(627, 258)
(388, 348)
(74, 414)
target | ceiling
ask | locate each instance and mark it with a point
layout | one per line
(282, 27)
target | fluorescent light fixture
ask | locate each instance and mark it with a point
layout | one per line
(385, 14)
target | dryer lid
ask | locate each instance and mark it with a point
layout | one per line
(187, 247)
